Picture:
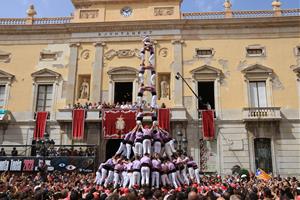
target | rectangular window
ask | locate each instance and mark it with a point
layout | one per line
(204, 53)
(44, 98)
(206, 91)
(2, 96)
(255, 51)
(258, 94)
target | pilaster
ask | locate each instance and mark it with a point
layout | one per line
(71, 84)
(97, 73)
(177, 90)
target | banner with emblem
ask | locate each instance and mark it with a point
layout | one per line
(116, 123)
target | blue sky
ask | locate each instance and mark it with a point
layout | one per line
(48, 8)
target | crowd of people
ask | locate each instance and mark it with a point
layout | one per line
(104, 105)
(53, 151)
(76, 186)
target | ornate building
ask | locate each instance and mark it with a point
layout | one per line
(244, 64)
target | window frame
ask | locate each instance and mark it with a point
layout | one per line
(45, 97)
(207, 73)
(205, 49)
(258, 73)
(257, 94)
(255, 47)
(45, 77)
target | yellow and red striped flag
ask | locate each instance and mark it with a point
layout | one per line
(261, 174)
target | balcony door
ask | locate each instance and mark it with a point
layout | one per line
(263, 154)
(123, 92)
(258, 94)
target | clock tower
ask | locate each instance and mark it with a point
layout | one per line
(125, 10)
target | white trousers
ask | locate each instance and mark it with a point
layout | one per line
(128, 150)
(184, 176)
(165, 180)
(141, 78)
(109, 178)
(138, 147)
(147, 146)
(98, 178)
(136, 178)
(151, 59)
(155, 179)
(153, 78)
(116, 179)
(191, 173)
(122, 149)
(174, 180)
(179, 177)
(197, 174)
(127, 176)
(104, 173)
(157, 147)
(153, 101)
(145, 171)
(168, 150)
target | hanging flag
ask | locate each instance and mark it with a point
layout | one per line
(208, 126)
(116, 123)
(164, 118)
(78, 124)
(40, 125)
(261, 174)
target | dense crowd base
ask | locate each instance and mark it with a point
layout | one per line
(73, 186)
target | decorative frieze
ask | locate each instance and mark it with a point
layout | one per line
(89, 14)
(122, 53)
(163, 52)
(85, 54)
(163, 11)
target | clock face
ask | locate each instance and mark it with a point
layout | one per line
(126, 11)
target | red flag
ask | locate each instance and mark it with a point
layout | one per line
(208, 126)
(78, 123)
(40, 125)
(164, 118)
(116, 123)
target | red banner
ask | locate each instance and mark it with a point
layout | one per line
(116, 123)
(208, 126)
(164, 118)
(78, 124)
(40, 125)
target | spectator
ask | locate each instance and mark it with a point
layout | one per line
(2, 152)
(14, 152)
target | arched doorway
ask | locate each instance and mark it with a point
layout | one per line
(112, 146)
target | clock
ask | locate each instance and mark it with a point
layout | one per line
(126, 11)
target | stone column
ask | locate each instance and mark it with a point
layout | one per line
(177, 89)
(96, 87)
(72, 72)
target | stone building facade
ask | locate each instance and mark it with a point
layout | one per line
(245, 64)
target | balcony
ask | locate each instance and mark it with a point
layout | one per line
(262, 114)
(94, 115)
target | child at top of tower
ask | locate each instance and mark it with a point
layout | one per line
(148, 46)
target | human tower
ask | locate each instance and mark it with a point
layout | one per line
(147, 152)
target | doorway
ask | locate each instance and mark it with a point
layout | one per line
(263, 154)
(112, 147)
(206, 91)
(123, 92)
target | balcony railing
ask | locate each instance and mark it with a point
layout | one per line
(190, 15)
(35, 21)
(262, 114)
(95, 115)
(240, 14)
